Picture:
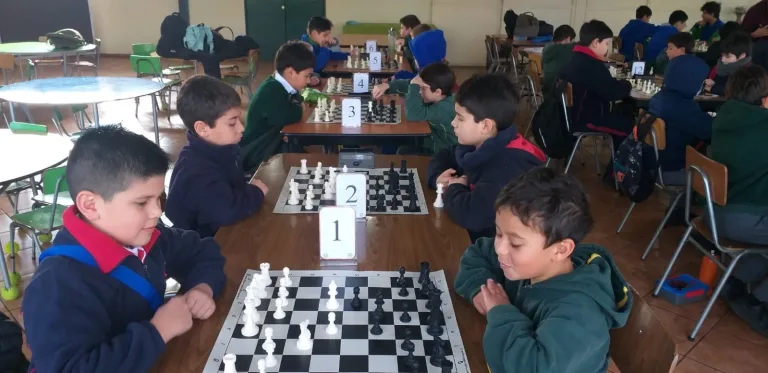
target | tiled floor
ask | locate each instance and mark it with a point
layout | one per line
(725, 344)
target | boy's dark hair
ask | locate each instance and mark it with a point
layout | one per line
(737, 43)
(564, 32)
(550, 202)
(438, 75)
(683, 40)
(410, 21)
(204, 98)
(592, 30)
(296, 55)
(319, 24)
(643, 11)
(490, 96)
(712, 7)
(677, 16)
(106, 160)
(748, 84)
(420, 29)
(728, 29)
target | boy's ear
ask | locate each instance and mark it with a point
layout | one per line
(86, 202)
(765, 102)
(564, 249)
(201, 128)
(742, 56)
(487, 125)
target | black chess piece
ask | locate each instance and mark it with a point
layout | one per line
(410, 360)
(425, 286)
(394, 203)
(407, 343)
(401, 271)
(403, 290)
(391, 168)
(369, 117)
(447, 366)
(378, 313)
(438, 353)
(376, 329)
(380, 203)
(424, 272)
(413, 206)
(434, 298)
(379, 299)
(392, 104)
(405, 317)
(356, 304)
(434, 328)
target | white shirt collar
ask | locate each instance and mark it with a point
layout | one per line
(285, 83)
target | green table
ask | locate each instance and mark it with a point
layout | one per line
(29, 49)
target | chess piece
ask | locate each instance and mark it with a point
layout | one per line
(283, 291)
(317, 115)
(264, 276)
(293, 199)
(279, 314)
(438, 353)
(327, 190)
(356, 304)
(405, 317)
(331, 329)
(447, 366)
(425, 286)
(270, 360)
(424, 272)
(403, 290)
(403, 168)
(380, 203)
(229, 363)
(261, 365)
(345, 169)
(434, 297)
(303, 169)
(394, 203)
(327, 117)
(332, 303)
(286, 279)
(339, 86)
(401, 271)
(311, 191)
(439, 200)
(434, 328)
(407, 343)
(376, 329)
(308, 202)
(268, 333)
(305, 337)
(413, 206)
(250, 320)
(349, 62)
(317, 179)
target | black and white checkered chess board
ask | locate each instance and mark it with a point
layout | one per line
(375, 176)
(353, 348)
(383, 113)
(348, 90)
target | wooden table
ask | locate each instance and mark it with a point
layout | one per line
(706, 102)
(282, 240)
(339, 69)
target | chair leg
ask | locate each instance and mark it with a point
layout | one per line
(573, 153)
(626, 217)
(714, 296)
(7, 283)
(137, 107)
(661, 225)
(613, 159)
(597, 155)
(672, 260)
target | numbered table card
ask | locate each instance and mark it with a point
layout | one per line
(360, 82)
(337, 232)
(638, 68)
(370, 46)
(351, 190)
(375, 64)
(350, 112)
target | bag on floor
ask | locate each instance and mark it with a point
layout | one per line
(550, 130)
(66, 39)
(527, 25)
(12, 358)
(635, 167)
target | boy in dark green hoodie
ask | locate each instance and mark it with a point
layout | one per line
(277, 103)
(556, 55)
(550, 301)
(428, 97)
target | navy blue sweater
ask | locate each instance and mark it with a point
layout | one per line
(658, 43)
(686, 123)
(79, 319)
(323, 55)
(498, 161)
(636, 31)
(208, 188)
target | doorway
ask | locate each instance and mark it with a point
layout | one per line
(273, 22)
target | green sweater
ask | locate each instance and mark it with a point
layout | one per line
(554, 57)
(557, 325)
(738, 141)
(270, 110)
(439, 115)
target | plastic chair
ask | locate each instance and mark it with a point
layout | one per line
(40, 221)
(709, 179)
(245, 80)
(88, 64)
(149, 66)
(7, 65)
(148, 49)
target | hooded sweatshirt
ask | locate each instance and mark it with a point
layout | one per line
(429, 47)
(636, 31)
(553, 58)
(323, 55)
(658, 42)
(686, 123)
(708, 33)
(557, 325)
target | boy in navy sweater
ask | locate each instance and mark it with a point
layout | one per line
(489, 155)
(735, 52)
(208, 188)
(95, 302)
(637, 30)
(658, 42)
(319, 36)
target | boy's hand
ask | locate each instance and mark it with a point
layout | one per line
(314, 80)
(446, 176)
(172, 319)
(379, 90)
(701, 23)
(708, 84)
(493, 295)
(200, 301)
(479, 303)
(458, 180)
(260, 184)
(399, 42)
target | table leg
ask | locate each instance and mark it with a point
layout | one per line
(10, 108)
(96, 114)
(154, 118)
(64, 60)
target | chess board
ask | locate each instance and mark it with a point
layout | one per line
(387, 66)
(347, 89)
(374, 176)
(383, 117)
(353, 348)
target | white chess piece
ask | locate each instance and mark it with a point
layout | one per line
(268, 333)
(250, 316)
(279, 313)
(308, 202)
(327, 117)
(311, 191)
(229, 363)
(327, 190)
(305, 337)
(357, 63)
(270, 360)
(339, 85)
(294, 198)
(370, 106)
(316, 117)
(345, 169)
(262, 366)
(250, 293)
(303, 169)
(332, 303)
(331, 329)
(283, 292)
(286, 278)
(319, 168)
(439, 200)
(317, 179)
(265, 279)
(333, 105)
(349, 62)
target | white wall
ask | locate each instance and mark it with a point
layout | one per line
(217, 13)
(120, 23)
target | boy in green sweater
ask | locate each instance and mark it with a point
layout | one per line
(277, 103)
(428, 97)
(557, 54)
(549, 300)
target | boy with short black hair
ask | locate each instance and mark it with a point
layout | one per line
(490, 152)
(557, 54)
(712, 55)
(707, 29)
(660, 38)
(407, 24)
(207, 188)
(544, 293)
(95, 302)
(679, 44)
(319, 37)
(428, 97)
(735, 52)
(276, 104)
(637, 30)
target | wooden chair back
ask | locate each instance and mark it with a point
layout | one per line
(6, 61)
(717, 173)
(535, 70)
(643, 345)
(639, 50)
(616, 43)
(660, 129)
(569, 95)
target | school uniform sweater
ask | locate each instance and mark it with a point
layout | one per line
(708, 33)
(658, 43)
(488, 168)
(271, 109)
(427, 48)
(323, 55)
(80, 319)
(553, 58)
(635, 31)
(208, 188)
(722, 71)
(439, 115)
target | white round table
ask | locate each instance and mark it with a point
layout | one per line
(27, 155)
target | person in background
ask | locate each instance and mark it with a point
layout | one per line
(407, 24)
(707, 29)
(638, 30)
(319, 37)
(736, 51)
(678, 44)
(755, 21)
(712, 55)
(557, 54)
(428, 46)
(660, 38)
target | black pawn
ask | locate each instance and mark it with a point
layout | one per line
(447, 366)
(401, 280)
(403, 290)
(380, 203)
(356, 304)
(379, 300)
(424, 273)
(438, 353)
(413, 206)
(376, 329)
(410, 360)
(405, 317)
(407, 345)
(434, 328)
(394, 203)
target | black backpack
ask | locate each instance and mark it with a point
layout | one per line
(172, 31)
(12, 358)
(510, 21)
(549, 124)
(635, 166)
(66, 39)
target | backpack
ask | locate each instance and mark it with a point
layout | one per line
(635, 166)
(549, 124)
(12, 358)
(66, 39)
(199, 38)
(510, 21)
(172, 32)
(546, 29)
(527, 25)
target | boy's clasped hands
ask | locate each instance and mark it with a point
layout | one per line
(449, 177)
(174, 318)
(491, 294)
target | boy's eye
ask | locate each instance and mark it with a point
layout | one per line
(142, 203)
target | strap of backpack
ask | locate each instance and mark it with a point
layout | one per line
(644, 126)
(121, 273)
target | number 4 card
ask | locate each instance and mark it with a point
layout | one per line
(360, 83)
(351, 190)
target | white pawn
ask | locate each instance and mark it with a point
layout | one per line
(327, 117)
(229, 363)
(250, 328)
(268, 333)
(304, 169)
(293, 199)
(311, 191)
(327, 190)
(270, 360)
(349, 62)
(316, 179)
(439, 200)
(308, 202)
(345, 169)
(305, 337)
(331, 329)
(262, 365)
(317, 115)
(279, 313)
(332, 303)
(339, 86)
(283, 291)
(287, 279)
